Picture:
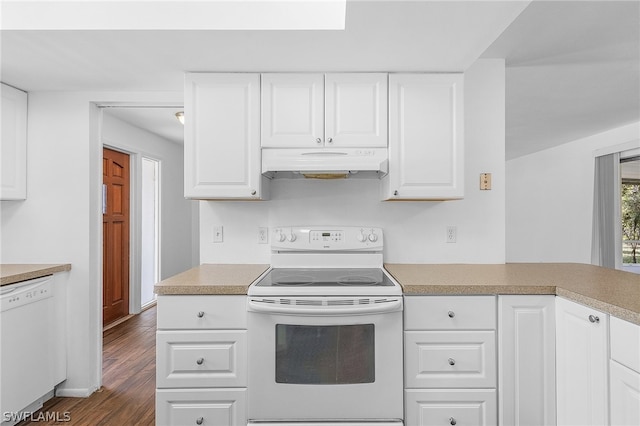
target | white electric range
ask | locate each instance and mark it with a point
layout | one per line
(325, 331)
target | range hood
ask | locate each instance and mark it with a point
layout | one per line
(325, 163)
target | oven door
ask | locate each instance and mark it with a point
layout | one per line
(325, 359)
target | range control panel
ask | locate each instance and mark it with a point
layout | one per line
(331, 238)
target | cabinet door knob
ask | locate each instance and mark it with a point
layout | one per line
(200, 314)
(452, 421)
(330, 140)
(594, 318)
(199, 420)
(451, 314)
(452, 361)
(253, 192)
(395, 192)
(318, 141)
(199, 361)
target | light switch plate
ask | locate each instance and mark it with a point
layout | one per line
(218, 234)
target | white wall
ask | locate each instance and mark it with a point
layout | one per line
(175, 211)
(61, 220)
(414, 231)
(550, 199)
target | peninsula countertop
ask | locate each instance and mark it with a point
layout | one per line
(11, 273)
(608, 290)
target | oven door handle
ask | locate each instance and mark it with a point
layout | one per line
(260, 305)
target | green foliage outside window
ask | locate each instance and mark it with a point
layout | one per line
(630, 222)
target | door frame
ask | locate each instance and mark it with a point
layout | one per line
(96, 143)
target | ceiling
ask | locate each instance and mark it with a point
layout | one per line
(572, 67)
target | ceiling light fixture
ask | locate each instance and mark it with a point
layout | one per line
(180, 117)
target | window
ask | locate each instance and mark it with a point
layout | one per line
(630, 213)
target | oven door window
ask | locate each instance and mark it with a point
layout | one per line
(325, 355)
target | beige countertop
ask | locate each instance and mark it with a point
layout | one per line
(212, 279)
(611, 291)
(11, 273)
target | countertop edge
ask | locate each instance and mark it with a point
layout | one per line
(32, 271)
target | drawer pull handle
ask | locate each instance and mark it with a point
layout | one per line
(200, 314)
(594, 319)
(451, 314)
(452, 361)
(199, 420)
(199, 361)
(452, 421)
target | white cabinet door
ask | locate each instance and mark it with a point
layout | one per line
(345, 110)
(356, 110)
(442, 407)
(426, 148)
(625, 396)
(222, 136)
(526, 368)
(13, 145)
(581, 364)
(292, 110)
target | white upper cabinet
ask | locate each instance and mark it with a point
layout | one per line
(346, 110)
(426, 141)
(13, 182)
(222, 136)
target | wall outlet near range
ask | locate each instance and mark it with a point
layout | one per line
(452, 234)
(263, 235)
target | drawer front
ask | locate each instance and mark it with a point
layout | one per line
(450, 312)
(202, 312)
(450, 359)
(219, 407)
(443, 407)
(195, 359)
(625, 343)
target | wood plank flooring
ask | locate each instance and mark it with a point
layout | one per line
(127, 396)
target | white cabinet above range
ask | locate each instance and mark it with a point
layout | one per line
(343, 110)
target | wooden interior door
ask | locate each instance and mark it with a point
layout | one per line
(115, 229)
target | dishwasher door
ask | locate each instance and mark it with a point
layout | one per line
(26, 313)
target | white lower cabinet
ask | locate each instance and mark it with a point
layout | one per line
(624, 373)
(437, 407)
(582, 346)
(526, 366)
(201, 407)
(201, 357)
(450, 360)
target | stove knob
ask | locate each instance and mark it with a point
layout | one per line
(361, 237)
(282, 237)
(291, 237)
(373, 237)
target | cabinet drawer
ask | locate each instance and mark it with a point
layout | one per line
(440, 407)
(219, 407)
(450, 312)
(625, 343)
(450, 359)
(202, 312)
(198, 359)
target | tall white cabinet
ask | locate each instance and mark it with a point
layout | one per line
(13, 145)
(526, 360)
(342, 110)
(222, 137)
(582, 346)
(426, 140)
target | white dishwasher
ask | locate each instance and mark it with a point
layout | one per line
(26, 343)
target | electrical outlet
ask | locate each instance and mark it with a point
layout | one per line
(485, 181)
(263, 235)
(217, 234)
(452, 234)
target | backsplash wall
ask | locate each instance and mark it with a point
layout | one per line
(414, 231)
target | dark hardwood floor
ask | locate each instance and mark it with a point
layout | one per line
(127, 396)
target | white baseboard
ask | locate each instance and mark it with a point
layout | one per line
(75, 393)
